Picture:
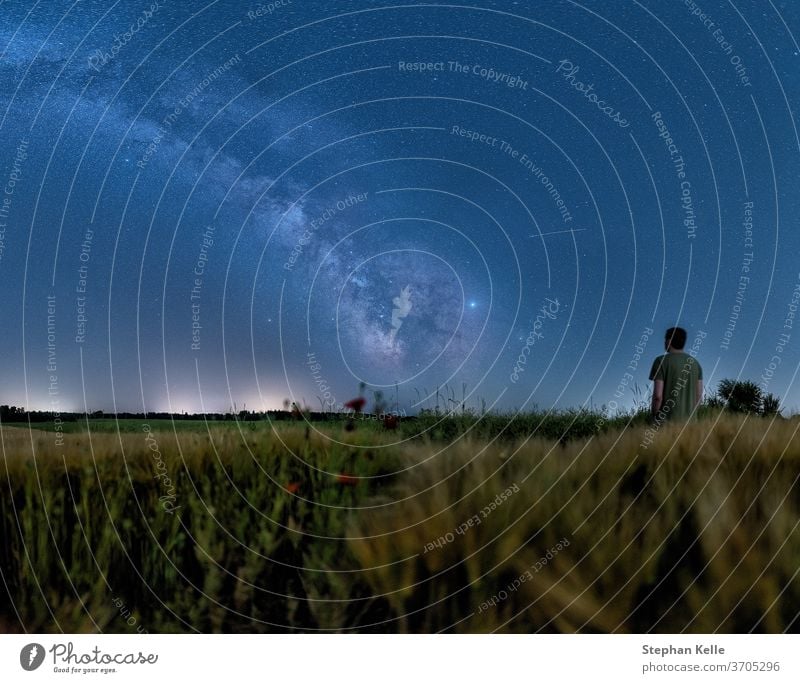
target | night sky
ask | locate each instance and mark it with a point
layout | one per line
(203, 204)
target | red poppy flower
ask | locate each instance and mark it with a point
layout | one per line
(346, 479)
(356, 404)
(293, 487)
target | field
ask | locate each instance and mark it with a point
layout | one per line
(457, 523)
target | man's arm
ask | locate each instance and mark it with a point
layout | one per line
(658, 396)
(699, 392)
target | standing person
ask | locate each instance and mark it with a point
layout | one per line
(677, 380)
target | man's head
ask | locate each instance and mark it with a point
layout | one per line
(675, 338)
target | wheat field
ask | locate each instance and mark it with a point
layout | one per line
(300, 528)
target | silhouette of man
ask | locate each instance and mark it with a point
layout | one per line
(677, 380)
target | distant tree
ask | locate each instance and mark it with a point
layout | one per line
(740, 396)
(744, 396)
(11, 414)
(770, 405)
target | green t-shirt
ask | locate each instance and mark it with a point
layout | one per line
(679, 372)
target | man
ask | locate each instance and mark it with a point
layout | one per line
(677, 380)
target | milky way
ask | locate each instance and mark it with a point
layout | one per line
(213, 193)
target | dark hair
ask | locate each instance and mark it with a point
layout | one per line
(676, 337)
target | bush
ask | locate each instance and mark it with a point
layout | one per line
(745, 396)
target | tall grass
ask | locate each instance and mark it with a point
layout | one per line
(698, 531)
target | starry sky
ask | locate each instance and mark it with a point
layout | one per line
(204, 204)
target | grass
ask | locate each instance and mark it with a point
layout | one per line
(112, 426)
(314, 528)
